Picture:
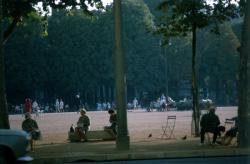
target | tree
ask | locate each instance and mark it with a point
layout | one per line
(4, 120)
(184, 16)
(14, 11)
(244, 79)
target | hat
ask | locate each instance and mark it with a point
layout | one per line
(27, 115)
(82, 110)
(211, 107)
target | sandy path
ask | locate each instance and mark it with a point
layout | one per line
(54, 126)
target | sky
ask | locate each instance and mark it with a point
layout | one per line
(105, 2)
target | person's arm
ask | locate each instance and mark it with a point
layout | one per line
(35, 125)
(79, 120)
(23, 126)
(26, 126)
(202, 121)
(88, 121)
(218, 121)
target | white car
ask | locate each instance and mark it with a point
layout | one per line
(14, 146)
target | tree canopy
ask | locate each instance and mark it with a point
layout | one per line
(76, 56)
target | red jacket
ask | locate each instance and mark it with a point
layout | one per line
(28, 106)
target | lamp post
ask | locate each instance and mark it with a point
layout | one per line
(122, 140)
(166, 64)
(166, 54)
(166, 72)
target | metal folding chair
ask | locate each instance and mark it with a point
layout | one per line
(168, 128)
(229, 123)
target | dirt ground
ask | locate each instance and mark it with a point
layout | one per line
(55, 126)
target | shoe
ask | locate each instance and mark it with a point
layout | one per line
(201, 144)
(214, 144)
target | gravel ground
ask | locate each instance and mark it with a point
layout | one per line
(55, 126)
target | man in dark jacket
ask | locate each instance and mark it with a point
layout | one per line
(209, 123)
(112, 120)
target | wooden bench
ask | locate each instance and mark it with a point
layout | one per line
(106, 134)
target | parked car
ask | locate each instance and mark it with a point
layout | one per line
(14, 146)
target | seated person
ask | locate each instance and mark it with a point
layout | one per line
(30, 126)
(83, 124)
(209, 123)
(230, 134)
(112, 120)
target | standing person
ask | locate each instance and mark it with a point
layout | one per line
(61, 105)
(209, 123)
(135, 103)
(57, 105)
(30, 126)
(78, 102)
(83, 124)
(27, 106)
(112, 120)
(35, 108)
(108, 105)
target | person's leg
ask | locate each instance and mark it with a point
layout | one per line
(84, 134)
(32, 145)
(202, 133)
(79, 133)
(113, 127)
(215, 134)
(227, 140)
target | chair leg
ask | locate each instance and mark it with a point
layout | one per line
(164, 129)
(171, 133)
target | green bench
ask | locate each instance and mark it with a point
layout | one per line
(106, 134)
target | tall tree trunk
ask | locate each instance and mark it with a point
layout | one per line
(11, 28)
(244, 80)
(196, 115)
(122, 141)
(4, 120)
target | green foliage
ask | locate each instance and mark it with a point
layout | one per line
(181, 15)
(76, 56)
(15, 11)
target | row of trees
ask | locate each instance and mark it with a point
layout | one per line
(76, 56)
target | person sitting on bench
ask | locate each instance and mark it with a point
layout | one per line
(83, 124)
(230, 134)
(112, 120)
(209, 123)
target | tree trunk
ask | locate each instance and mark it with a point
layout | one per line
(4, 120)
(122, 141)
(196, 115)
(244, 79)
(11, 28)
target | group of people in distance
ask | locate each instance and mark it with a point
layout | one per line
(210, 122)
(83, 124)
